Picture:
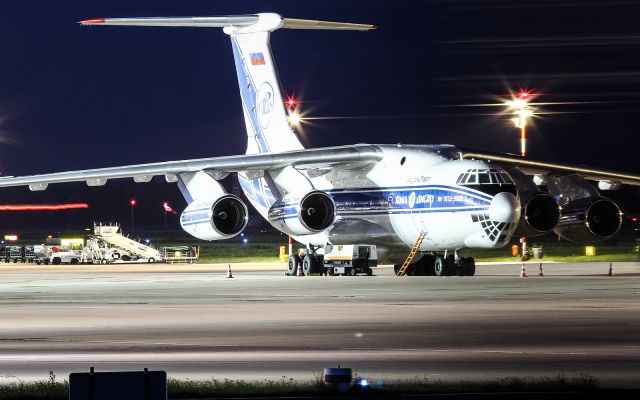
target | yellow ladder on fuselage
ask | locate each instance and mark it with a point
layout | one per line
(414, 250)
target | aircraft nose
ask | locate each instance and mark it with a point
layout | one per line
(505, 207)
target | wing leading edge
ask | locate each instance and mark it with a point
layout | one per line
(531, 167)
(216, 166)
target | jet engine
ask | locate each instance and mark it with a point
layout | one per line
(217, 219)
(311, 213)
(540, 214)
(540, 211)
(589, 219)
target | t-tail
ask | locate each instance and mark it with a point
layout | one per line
(265, 115)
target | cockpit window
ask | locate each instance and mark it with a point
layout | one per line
(472, 178)
(490, 181)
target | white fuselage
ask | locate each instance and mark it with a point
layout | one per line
(412, 189)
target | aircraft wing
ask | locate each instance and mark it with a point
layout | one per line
(356, 155)
(532, 167)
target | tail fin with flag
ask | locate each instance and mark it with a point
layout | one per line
(265, 116)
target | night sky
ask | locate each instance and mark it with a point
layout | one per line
(74, 97)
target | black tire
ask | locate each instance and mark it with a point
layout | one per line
(56, 261)
(308, 264)
(38, 262)
(125, 257)
(369, 271)
(470, 266)
(292, 266)
(151, 260)
(46, 261)
(428, 261)
(440, 266)
(352, 271)
(74, 261)
(450, 265)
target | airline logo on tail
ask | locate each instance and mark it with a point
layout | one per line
(265, 104)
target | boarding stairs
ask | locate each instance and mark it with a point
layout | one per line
(414, 250)
(110, 235)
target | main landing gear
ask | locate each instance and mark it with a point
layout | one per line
(441, 265)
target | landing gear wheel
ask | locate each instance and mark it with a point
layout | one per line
(470, 266)
(292, 267)
(439, 266)
(308, 264)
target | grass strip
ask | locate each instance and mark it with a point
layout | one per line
(50, 389)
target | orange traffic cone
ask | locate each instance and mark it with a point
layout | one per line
(300, 270)
(541, 271)
(611, 273)
(523, 272)
(229, 274)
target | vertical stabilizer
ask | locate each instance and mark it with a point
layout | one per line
(265, 116)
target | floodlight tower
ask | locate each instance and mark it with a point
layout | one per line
(521, 110)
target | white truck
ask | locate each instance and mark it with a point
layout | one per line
(343, 259)
(57, 254)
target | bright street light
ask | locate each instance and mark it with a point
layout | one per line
(295, 118)
(521, 110)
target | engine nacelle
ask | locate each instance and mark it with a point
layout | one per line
(312, 213)
(540, 214)
(217, 219)
(589, 219)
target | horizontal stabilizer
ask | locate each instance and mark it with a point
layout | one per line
(255, 22)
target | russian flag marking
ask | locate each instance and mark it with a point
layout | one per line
(257, 58)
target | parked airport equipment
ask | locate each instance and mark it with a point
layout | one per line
(180, 254)
(17, 253)
(348, 259)
(123, 248)
(338, 378)
(130, 385)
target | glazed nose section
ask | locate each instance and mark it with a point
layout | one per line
(505, 207)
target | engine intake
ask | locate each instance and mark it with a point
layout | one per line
(221, 218)
(589, 219)
(312, 213)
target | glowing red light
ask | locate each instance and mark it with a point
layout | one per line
(133, 202)
(42, 207)
(92, 21)
(165, 204)
(634, 219)
(291, 101)
(524, 94)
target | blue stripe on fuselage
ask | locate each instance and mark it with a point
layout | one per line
(399, 200)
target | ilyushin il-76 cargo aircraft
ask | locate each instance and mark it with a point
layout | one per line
(437, 199)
